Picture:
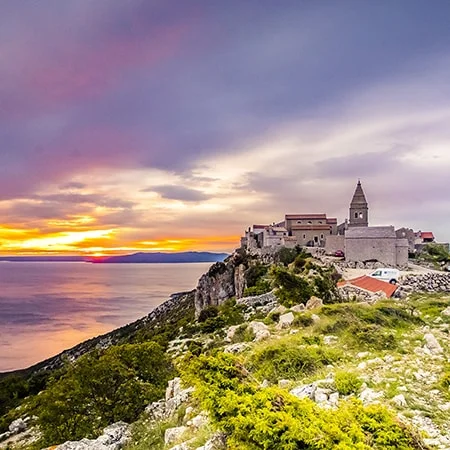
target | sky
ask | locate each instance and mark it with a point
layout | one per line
(166, 125)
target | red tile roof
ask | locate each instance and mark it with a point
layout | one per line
(371, 284)
(426, 235)
(260, 226)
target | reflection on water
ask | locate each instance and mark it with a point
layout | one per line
(48, 307)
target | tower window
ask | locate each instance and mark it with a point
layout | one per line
(356, 215)
(360, 215)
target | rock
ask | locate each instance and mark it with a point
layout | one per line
(258, 300)
(17, 426)
(362, 365)
(198, 421)
(314, 302)
(400, 400)
(236, 348)
(265, 384)
(320, 395)
(231, 332)
(261, 335)
(173, 388)
(446, 311)
(432, 344)
(329, 340)
(285, 320)
(284, 384)
(362, 354)
(174, 434)
(182, 446)
(278, 310)
(368, 396)
(333, 399)
(315, 318)
(298, 308)
(306, 391)
(217, 442)
(114, 437)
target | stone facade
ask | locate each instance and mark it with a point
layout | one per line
(376, 244)
(359, 209)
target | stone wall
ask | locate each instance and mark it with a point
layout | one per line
(334, 243)
(428, 282)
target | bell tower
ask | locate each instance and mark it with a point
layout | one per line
(359, 209)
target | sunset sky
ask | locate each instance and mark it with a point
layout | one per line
(152, 125)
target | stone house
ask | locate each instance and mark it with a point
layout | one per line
(310, 230)
(376, 244)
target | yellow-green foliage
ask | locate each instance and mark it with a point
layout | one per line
(103, 387)
(272, 419)
(347, 382)
(289, 357)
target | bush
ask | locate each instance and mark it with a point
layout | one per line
(208, 313)
(103, 387)
(261, 287)
(271, 419)
(291, 289)
(289, 358)
(347, 383)
(243, 334)
(372, 337)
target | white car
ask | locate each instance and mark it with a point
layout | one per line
(386, 274)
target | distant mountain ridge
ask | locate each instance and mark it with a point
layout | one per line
(158, 257)
(182, 257)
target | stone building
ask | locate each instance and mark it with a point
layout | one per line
(310, 230)
(380, 244)
(359, 209)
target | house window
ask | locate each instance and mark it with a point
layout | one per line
(304, 236)
(299, 221)
(316, 239)
(320, 221)
(309, 222)
(322, 236)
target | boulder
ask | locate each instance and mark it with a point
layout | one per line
(400, 400)
(114, 437)
(260, 330)
(368, 396)
(174, 434)
(17, 426)
(306, 391)
(236, 348)
(298, 308)
(314, 302)
(432, 344)
(285, 320)
(231, 332)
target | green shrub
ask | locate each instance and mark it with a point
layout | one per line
(289, 358)
(291, 289)
(212, 324)
(272, 419)
(303, 320)
(103, 387)
(347, 382)
(254, 274)
(261, 287)
(286, 255)
(208, 313)
(243, 334)
(372, 337)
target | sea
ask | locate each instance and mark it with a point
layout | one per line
(47, 307)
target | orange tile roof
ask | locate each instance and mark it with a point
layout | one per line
(370, 284)
(426, 235)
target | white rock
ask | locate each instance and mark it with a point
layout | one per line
(329, 340)
(182, 446)
(334, 399)
(314, 302)
(306, 391)
(362, 365)
(400, 400)
(261, 335)
(285, 320)
(298, 308)
(258, 326)
(278, 310)
(199, 421)
(173, 388)
(446, 311)
(174, 434)
(361, 355)
(320, 395)
(315, 318)
(236, 348)
(368, 396)
(265, 384)
(432, 344)
(17, 426)
(231, 332)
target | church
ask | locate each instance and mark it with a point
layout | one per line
(361, 242)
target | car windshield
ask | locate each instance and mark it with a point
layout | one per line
(377, 273)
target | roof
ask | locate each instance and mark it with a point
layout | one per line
(359, 199)
(331, 220)
(260, 226)
(370, 284)
(306, 216)
(370, 232)
(426, 235)
(278, 229)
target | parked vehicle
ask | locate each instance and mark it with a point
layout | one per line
(339, 253)
(386, 274)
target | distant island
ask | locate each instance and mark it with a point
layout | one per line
(146, 258)
(182, 257)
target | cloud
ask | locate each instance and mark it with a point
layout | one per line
(184, 194)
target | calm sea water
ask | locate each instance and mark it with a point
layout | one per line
(48, 307)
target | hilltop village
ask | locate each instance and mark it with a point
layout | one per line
(353, 239)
